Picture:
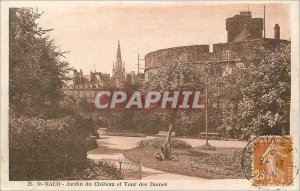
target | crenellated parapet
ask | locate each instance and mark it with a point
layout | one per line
(164, 56)
(224, 55)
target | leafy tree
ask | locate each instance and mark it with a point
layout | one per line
(86, 106)
(37, 69)
(256, 97)
(40, 148)
(175, 76)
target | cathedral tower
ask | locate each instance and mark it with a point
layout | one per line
(118, 72)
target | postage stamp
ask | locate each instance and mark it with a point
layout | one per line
(272, 161)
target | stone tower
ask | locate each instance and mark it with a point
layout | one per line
(118, 72)
(236, 25)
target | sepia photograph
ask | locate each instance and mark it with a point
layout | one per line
(158, 95)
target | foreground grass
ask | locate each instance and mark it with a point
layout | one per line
(218, 164)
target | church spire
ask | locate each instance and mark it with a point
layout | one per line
(118, 66)
(119, 58)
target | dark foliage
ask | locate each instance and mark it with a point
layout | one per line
(45, 149)
(47, 133)
(96, 171)
(256, 96)
(37, 68)
(144, 122)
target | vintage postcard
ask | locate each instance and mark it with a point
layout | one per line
(149, 95)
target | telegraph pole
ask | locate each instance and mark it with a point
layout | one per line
(138, 73)
(264, 21)
(206, 107)
(206, 115)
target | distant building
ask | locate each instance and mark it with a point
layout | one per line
(118, 71)
(95, 79)
(86, 86)
(131, 77)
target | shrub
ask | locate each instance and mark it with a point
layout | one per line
(156, 142)
(147, 122)
(67, 108)
(96, 171)
(190, 125)
(91, 143)
(137, 122)
(42, 149)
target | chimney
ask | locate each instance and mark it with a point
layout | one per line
(277, 32)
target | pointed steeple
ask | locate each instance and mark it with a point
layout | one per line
(118, 66)
(119, 58)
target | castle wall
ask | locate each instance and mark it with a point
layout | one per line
(240, 49)
(224, 55)
(155, 59)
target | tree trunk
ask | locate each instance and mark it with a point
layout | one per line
(165, 148)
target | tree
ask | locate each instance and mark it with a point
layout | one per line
(256, 97)
(173, 77)
(42, 122)
(37, 69)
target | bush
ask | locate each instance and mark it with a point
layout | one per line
(137, 122)
(91, 143)
(147, 122)
(42, 149)
(156, 142)
(190, 124)
(67, 108)
(96, 171)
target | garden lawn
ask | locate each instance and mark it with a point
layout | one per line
(223, 163)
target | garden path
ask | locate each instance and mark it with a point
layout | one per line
(111, 148)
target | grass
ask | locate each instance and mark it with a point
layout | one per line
(211, 164)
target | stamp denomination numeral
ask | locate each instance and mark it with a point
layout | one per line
(260, 174)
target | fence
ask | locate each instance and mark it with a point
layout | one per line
(130, 170)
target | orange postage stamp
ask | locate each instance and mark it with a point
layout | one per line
(273, 161)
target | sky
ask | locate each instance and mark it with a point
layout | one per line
(91, 30)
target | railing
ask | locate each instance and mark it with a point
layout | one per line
(130, 170)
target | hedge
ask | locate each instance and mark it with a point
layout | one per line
(96, 171)
(41, 149)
